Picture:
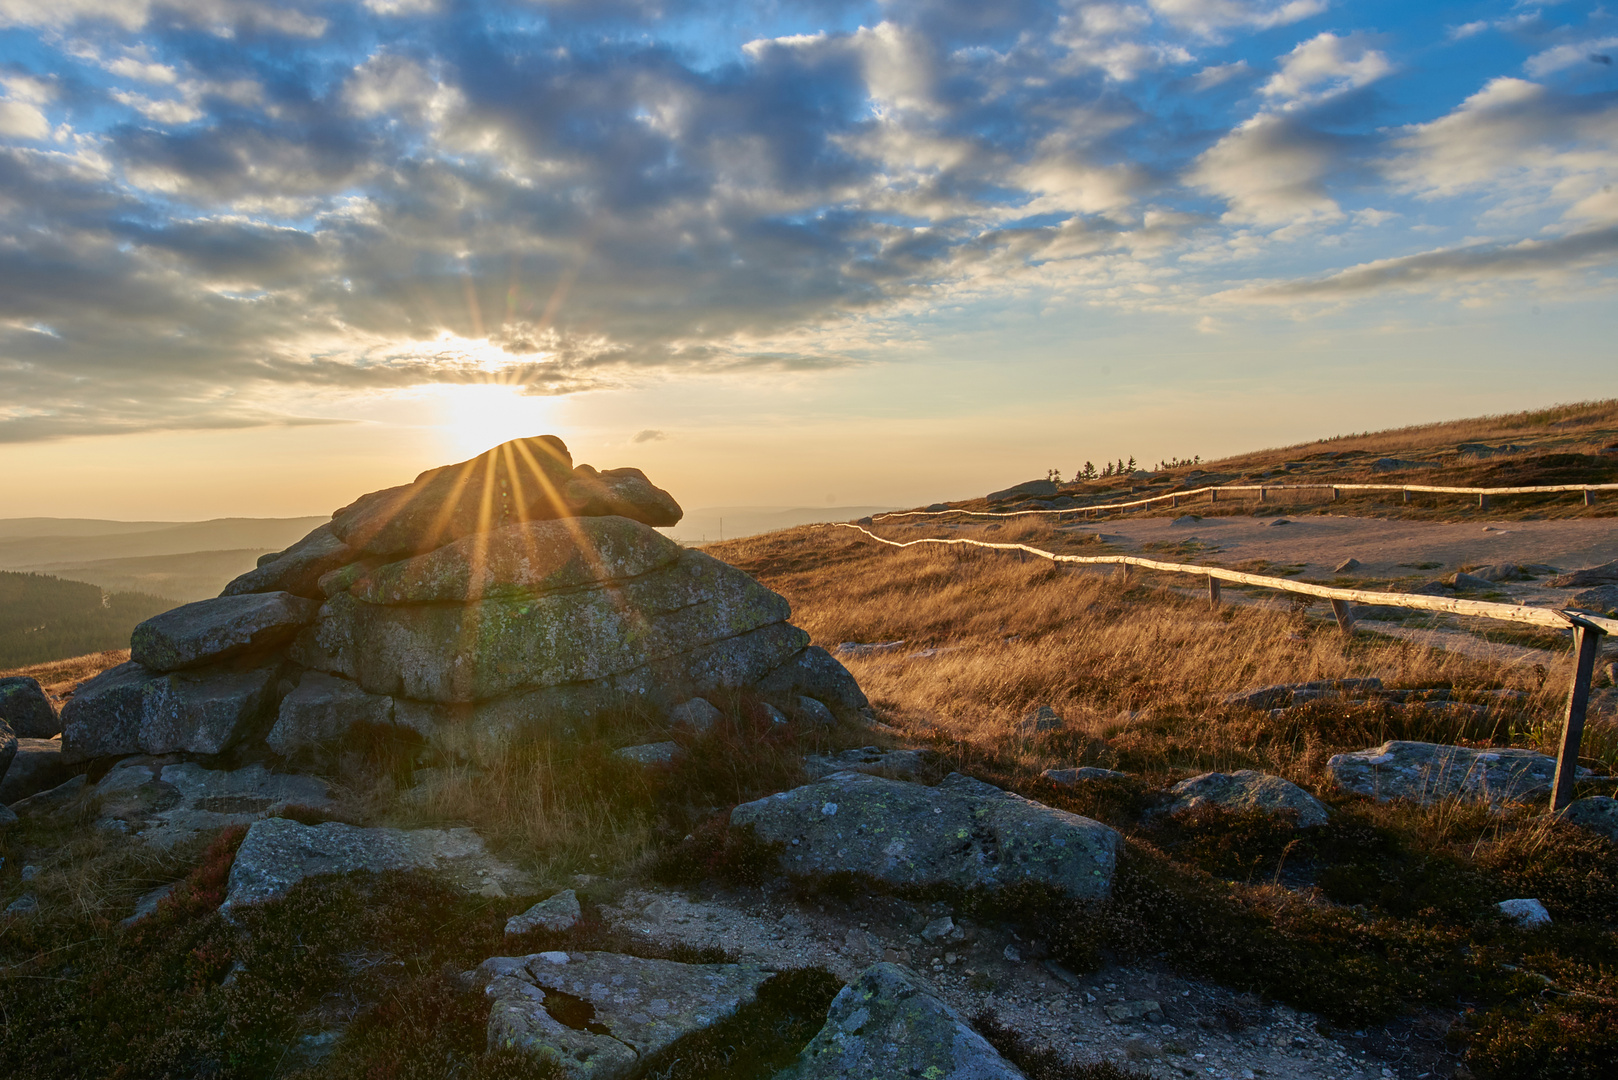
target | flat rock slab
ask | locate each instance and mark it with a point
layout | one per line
(211, 630)
(278, 853)
(296, 570)
(36, 767)
(599, 1013)
(164, 804)
(962, 832)
(26, 709)
(556, 913)
(1248, 789)
(884, 1025)
(1429, 772)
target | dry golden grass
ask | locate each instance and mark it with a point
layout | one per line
(57, 677)
(1139, 672)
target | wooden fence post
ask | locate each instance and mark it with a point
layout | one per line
(1123, 574)
(1213, 495)
(1174, 500)
(1345, 615)
(1262, 494)
(1407, 496)
(1213, 591)
(1483, 502)
(1336, 494)
(1586, 644)
(1588, 500)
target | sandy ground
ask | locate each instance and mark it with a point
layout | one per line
(1386, 548)
(1205, 1030)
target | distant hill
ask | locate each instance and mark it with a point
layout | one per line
(26, 544)
(732, 522)
(195, 575)
(45, 618)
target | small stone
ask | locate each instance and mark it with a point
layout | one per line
(1125, 1011)
(29, 872)
(1040, 720)
(1280, 521)
(938, 929)
(698, 714)
(1346, 565)
(556, 914)
(1528, 913)
(1462, 580)
(648, 754)
(1084, 774)
(814, 712)
(26, 904)
(1248, 789)
(1012, 953)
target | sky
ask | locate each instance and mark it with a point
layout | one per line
(257, 258)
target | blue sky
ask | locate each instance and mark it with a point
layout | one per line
(733, 241)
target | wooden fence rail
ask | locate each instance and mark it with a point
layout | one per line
(1588, 629)
(1213, 492)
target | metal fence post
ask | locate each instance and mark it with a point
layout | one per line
(1586, 644)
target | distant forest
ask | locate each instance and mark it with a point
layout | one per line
(45, 618)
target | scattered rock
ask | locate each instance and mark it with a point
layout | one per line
(1346, 565)
(1031, 489)
(24, 706)
(1388, 464)
(1283, 694)
(815, 673)
(1186, 519)
(36, 767)
(1461, 580)
(1084, 774)
(1605, 574)
(525, 477)
(211, 630)
(1528, 913)
(298, 569)
(963, 832)
(1429, 772)
(1501, 572)
(598, 1014)
(1248, 789)
(558, 913)
(814, 712)
(1280, 521)
(901, 764)
(698, 714)
(321, 710)
(1041, 720)
(1603, 599)
(146, 906)
(26, 904)
(938, 929)
(51, 801)
(1598, 813)
(622, 492)
(1124, 1012)
(884, 1025)
(279, 852)
(657, 753)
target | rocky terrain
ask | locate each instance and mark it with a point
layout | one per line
(319, 826)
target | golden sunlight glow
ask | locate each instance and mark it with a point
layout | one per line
(474, 418)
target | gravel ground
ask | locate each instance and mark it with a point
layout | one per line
(1197, 1029)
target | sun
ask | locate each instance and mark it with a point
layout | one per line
(474, 418)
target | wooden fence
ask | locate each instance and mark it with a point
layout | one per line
(1588, 629)
(1173, 498)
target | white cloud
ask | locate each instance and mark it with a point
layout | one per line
(161, 110)
(20, 120)
(131, 67)
(1324, 66)
(1466, 30)
(1219, 74)
(1270, 170)
(1210, 17)
(1574, 53)
(219, 16)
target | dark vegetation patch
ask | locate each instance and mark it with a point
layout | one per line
(45, 618)
(759, 1039)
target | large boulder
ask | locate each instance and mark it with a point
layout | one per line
(8, 747)
(130, 709)
(815, 673)
(885, 1025)
(298, 569)
(624, 492)
(599, 1014)
(1247, 789)
(1605, 574)
(494, 647)
(1028, 489)
(212, 630)
(277, 853)
(963, 832)
(1431, 772)
(517, 481)
(24, 706)
(322, 709)
(521, 562)
(36, 767)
